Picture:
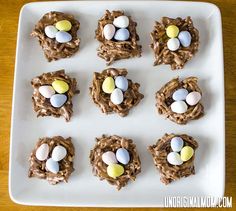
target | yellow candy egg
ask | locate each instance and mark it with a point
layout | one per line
(172, 31)
(108, 85)
(60, 86)
(64, 25)
(186, 153)
(115, 170)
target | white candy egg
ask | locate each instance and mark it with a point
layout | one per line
(173, 44)
(52, 166)
(46, 91)
(109, 31)
(117, 96)
(174, 158)
(58, 153)
(179, 107)
(121, 21)
(50, 31)
(42, 152)
(193, 98)
(109, 157)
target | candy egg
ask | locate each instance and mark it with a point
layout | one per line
(179, 107)
(122, 35)
(176, 144)
(63, 37)
(180, 94)
(186, 153)
(46, 91)
(173, 44)
(185, 38)
(60, 86)
(122, 155)
(52, 166)
(50, 31)
(42, 152)
(172, 31)
(108, 85)
(117, 96)
(193, 98)
(115, 170)
(58, 100)
(109, 31)
(63, 25)
(58, 153)
(121, 21)
(174, 158)
(109, 157)
(122, 83)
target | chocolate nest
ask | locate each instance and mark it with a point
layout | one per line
(112, 143)
(42, 105)
(164, 100)
(38, 168)
(54, 50)
(111, 50)
(169, 172)
(131, 96)
(176, 59)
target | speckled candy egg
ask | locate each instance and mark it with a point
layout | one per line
(46, 91)
(173, 158)
(52, 166)
(63, 25)
(122, 83)
(121, 21)
(176, 144)
(180, 94)
(179, 107)
(122, 155)
(109, 31)
(173, 44)
(58, 100)
(117, 96)
(60, 86)
(109, 157)
(172, 31)
(63, 37)
(185, 38)
(108, 85)
(115, 170)
(186, 153)
(50, 31)
(42, 152)
(122, 35)
(59, 153)
(193, 98)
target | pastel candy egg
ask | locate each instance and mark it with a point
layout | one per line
(172, 31)
(109, 31)
(115, 170)
(180, 94)
(179, 107)
(186, 153)
(50, 31)
(122, 83)
(52, 166)
(63, 25)
(193, 98)
(173, 158)
(176, 144)
(58, 153)
(42, 152)
(117, 96)
(185, 38)
(60, 86)
(109, 157)
(108, 85)
(121, 21)
(58, 100)
(173, 44)
(46, 91)
(63, 37)
(122, 35)
(122, 155)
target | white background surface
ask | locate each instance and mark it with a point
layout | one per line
(143, 124)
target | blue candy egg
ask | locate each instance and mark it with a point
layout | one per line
(63, 37)
(185, 38)
(180, 94)
(58, 100)
(122, 34)
(122, 155)
(176, 144)
(121, 82)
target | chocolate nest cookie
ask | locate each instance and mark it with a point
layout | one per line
(173, 156)
(179, 101)
(57, 35)
(53, 94)
(113, 92)
(115, 159)
(52, 159)
(117, 36)
(174, 41)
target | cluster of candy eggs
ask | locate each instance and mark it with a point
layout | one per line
(115, 87)
(114, 161)
(55, 92)
(59, 31)
(118, 29)
(176, 38)
(182, 99)
(180, 153)
(52, 163)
